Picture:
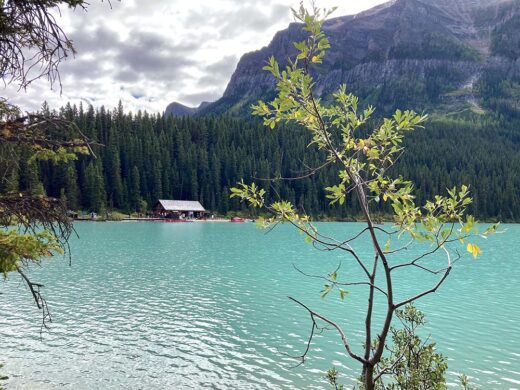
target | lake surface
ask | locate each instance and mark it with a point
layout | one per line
(204, 306)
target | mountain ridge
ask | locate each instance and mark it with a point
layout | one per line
(179, 109)
(403, 53)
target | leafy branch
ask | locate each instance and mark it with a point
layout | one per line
(364, 159)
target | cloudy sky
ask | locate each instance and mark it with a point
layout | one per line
(149, 53)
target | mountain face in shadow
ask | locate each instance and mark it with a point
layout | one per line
(417, 54)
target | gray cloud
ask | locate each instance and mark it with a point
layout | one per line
(101, 38)
(258, 21)
(218, 73)
(153, 65)
(127, 75)
(144, 54)
(120, 49)
(246, 17)
(224, 67)
(82, 67)
(194, 99)
(149, 53)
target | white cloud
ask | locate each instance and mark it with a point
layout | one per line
(149, 53)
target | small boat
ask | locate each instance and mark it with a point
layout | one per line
(237, 219)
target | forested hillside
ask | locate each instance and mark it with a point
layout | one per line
(458, 61)
(146, 157)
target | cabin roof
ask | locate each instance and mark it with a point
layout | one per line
(180, 205)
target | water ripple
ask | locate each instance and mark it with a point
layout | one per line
(188, 306)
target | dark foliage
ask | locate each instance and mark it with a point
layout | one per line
(147, 157)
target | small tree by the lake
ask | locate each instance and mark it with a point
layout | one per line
(364, 156)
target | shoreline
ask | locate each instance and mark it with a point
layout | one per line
(250, 220)
(217, 220)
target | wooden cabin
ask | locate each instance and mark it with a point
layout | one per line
(179, 209)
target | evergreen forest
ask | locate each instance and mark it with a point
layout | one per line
(143, 157)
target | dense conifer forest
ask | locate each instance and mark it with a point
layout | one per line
(147, 157)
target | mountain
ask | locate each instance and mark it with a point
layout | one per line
(456, 59)
(178, 109)
(440, 55)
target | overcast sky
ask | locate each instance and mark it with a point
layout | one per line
(149, 53)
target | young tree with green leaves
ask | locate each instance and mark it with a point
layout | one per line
(364, 158)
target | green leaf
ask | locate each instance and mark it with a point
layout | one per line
(326, 290)
(343, 294)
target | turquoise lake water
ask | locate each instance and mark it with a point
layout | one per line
(204, 306)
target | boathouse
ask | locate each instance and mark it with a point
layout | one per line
(179, 209)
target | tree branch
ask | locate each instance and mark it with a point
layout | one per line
(335, 326)
(433, 289)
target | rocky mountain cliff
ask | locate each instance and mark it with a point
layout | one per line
(405, 53)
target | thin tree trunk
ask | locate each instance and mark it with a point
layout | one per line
(368, 377)
(368, 319)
